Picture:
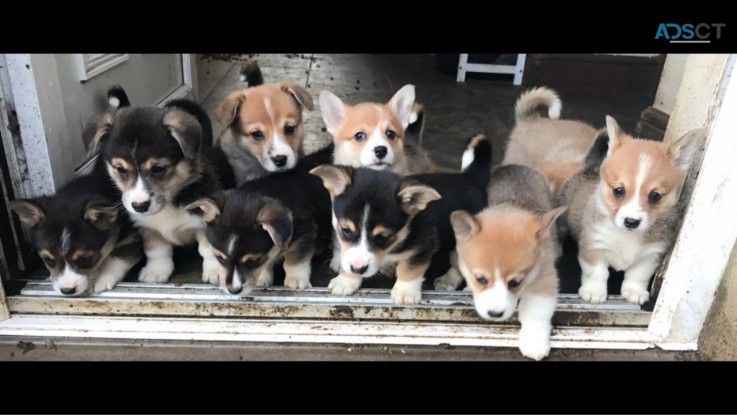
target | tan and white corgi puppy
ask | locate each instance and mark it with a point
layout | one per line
(377, 136)
(622, 209)
(507, 253)
(554, 147)
(264, 126)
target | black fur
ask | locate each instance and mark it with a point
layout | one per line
(252, 72)
(413, 133)
(198, 112)
(116, 91)
(597, 153)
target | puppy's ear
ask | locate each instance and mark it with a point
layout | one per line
(686, 147)
(185, 128)
(464, 225)
(96, 132)
(546, 220)
(332, 110)
(335, 178)
(228, 109)
(299, 93)
(31, 212)
(616, 136)
(414, 196)
(101, 214)
(402, 103)
(208, 208)
(276, 219)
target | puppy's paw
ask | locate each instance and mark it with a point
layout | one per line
(211, 271)
(534, 342)
(297, 283)
(467, 288)
(635, 293)
(266, 279)
(157, 271)
(593, 292)
(448, 282)
(342, 285)
(407, 292)
(104, 282)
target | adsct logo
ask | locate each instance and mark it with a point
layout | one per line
(690, 33)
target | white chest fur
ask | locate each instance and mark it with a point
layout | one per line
(176, 225)
(621, 248)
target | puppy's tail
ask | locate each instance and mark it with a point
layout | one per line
(251, 74)
(597, 153)
(416, 124)
(198, 112)
(117, 98)
(476, 162)
(530, 101)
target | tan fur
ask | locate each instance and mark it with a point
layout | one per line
(410, 272)
(549, 141)
(557, 173)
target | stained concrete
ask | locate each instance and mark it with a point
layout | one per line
(718, 340)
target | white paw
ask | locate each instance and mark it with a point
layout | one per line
(447, 282)
(534, 342)
(593, 292)
(635, 294)
(211, 271)
(157, 271)
(266, 279)
(467, 288)
(335, 262)
(341, 285)
(297, 283)
(104, 283)
(407, 292)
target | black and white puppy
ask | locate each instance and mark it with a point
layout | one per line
(84, 239)
(160, 160)
(283, 215)
(401, 224)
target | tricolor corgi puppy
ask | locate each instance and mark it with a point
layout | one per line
(622, 209)
(159, 160)
(507, 254)
(283, 215)
(554, 147)
(263, 124)
(399, 225)
(83, 237)
(378, 136)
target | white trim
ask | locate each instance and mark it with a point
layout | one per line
(517, 69)
(701, 252)
(314, 331)
(90, 65)
(189, 73)
(4, 312)
(183, 91)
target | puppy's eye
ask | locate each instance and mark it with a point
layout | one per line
(158, 171)
(346, 233)
(288, 130)
(381, 240)
(84, 261)
(250, 263)
(121, 171)
(257, 135)
(390, 134)
(481, 280)
(360, 136)
(618, 192)
(50, 262)
(654, 197)
(514, 283)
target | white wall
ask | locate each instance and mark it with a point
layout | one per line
(670, 81)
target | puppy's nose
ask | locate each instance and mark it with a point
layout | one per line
(235, 290)
(141, 207)
(279, 161)
(380, 152)
(359, 270)
(68, 291)
(630, 223)
(495, 314)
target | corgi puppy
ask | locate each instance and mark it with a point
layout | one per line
(83, 237)
(507, 254)
(554, 147)
(283, 215)
(393, 224)
(622, 209)
(264, 127)
(156, 158)
(378, 136)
